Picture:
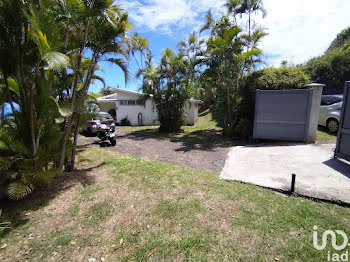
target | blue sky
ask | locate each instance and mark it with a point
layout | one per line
(297, 30)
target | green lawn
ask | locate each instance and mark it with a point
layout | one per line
(208, 133)
(323, 135)
(122, 208)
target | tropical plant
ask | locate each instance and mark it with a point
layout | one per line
(332, 68)
(105, 91)
(284, 78)
(167, 85)
(125, 122)
(227, 62)
(49, 55)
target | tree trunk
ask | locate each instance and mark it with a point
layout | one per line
(69, 121)
(249, 25)
(2, 113)
(31, 122)
(85, 90)
(75, 144)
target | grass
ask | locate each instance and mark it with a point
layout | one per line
(99, 211)
(73, 210)
(141, 210)
(208, 133)
(323, 135)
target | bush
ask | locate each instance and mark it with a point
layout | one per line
(170, 109)
(332, 69)
(266, 79)
(243, 128)
(125, 122)
(276, 79)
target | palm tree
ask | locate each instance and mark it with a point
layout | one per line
(227, 59)
(106, 41)
(234, 8)
(251, 7)
(96, 14)
(45, 76)
(192, 50)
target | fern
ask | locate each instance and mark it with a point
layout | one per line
(18, 190)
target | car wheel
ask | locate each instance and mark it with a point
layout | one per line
(89, 132)
(333, 125)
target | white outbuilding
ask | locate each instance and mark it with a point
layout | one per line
(123, 103)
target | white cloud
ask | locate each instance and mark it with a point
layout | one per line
(298, 29)
(169, 16)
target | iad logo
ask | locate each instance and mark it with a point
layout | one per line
(334, 237)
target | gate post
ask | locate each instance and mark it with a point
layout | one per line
(315, 102)
(342, 149)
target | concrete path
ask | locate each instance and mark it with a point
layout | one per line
(271, 165)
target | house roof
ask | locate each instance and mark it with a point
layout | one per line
(114, 96)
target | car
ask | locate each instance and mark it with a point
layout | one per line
(92, 126)
(330, 110)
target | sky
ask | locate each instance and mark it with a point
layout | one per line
(297, 30)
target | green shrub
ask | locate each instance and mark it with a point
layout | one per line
(266, 79)
(332, 69)
(125, 122)
(243, 128)
(276, 79)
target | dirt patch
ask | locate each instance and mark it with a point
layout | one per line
(211, 159)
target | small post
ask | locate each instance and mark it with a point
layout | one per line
(292, 187)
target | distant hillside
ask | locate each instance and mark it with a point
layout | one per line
(342, 38)
(333, 68)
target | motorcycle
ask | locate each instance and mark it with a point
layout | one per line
(105, 133)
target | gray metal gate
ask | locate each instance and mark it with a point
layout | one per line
(290, 115)
(343, 142)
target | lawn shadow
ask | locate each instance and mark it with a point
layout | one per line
(207, 139)
(219, 117)
(15, 211)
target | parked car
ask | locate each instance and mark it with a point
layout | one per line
(330, 111)
(91, 126)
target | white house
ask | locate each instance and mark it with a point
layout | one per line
(123, 103)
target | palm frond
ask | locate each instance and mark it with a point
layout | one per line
(100, 78)
(56, 61)
(123, 66)
(13, 85)
(18, 190)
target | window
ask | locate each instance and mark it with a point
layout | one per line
(128, 102)
(330, 100)
(105, 115)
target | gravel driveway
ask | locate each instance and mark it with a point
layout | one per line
(162, 149)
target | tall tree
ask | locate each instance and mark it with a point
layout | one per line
(49, 53)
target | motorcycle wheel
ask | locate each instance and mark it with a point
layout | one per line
(113, 142)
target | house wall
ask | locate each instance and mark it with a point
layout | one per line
(191, 111)
(148, 111)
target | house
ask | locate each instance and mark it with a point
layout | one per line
(124, 104)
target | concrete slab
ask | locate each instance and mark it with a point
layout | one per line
(271, 165)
